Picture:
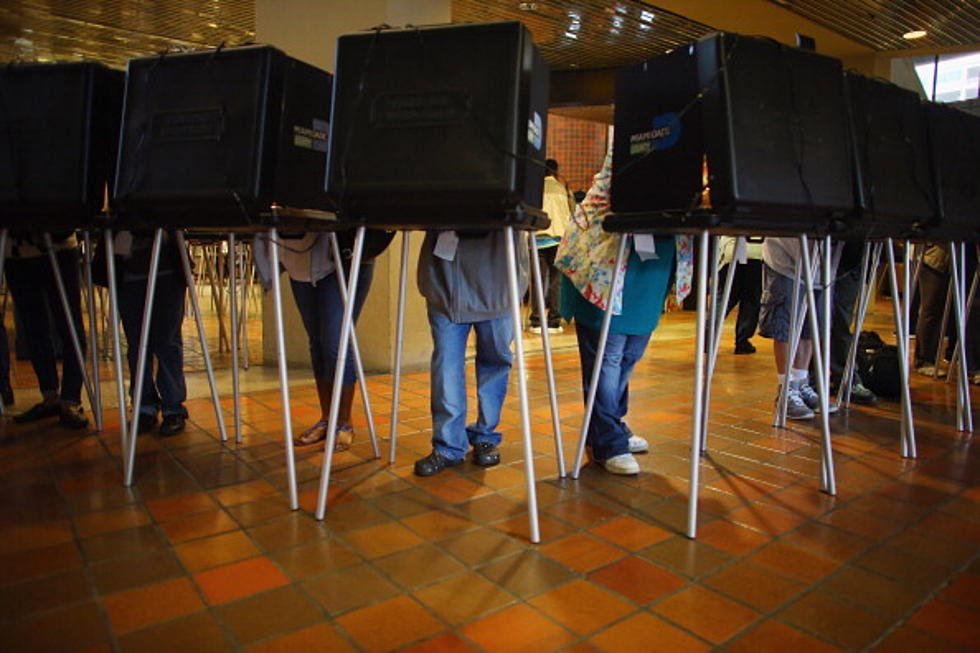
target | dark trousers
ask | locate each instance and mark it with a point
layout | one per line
(933, 286)
(322, 310)
(550, 282)
(36, 300)
(165, 390)
(746, 293)
(847, 287)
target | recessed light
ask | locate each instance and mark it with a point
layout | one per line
(915, 34)
(527, 6)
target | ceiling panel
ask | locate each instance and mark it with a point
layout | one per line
(879, 24)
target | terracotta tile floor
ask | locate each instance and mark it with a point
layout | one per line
(203, 553)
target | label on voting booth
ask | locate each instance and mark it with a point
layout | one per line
(123, 243)
(645, 246)
(741, 251)
(446, 245)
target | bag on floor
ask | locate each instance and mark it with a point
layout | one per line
(884, 378)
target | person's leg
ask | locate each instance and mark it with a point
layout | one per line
(493, 363)
(448, 378)
(932, 301)
(607, 436)
(551, 282)
(72, 375)
(6, 391)
(748, 277)
(132, 295)
(29, 281)
(534, 318)
(168, 347)
(774, 323)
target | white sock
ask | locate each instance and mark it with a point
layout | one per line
(800, 375)
(782, 379)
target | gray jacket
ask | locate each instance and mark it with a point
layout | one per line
(472, 287)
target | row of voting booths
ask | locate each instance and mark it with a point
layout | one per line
(444, 129)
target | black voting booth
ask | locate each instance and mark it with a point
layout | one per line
(955, 140)
(439, 127)
(223, 140)
(768, 122)
(59, 129)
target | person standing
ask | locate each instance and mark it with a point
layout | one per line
(559, 205)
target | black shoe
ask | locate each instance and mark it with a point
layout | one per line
(860, 394)
(172, 425)
(146, 422)
(7, 395)
(485, 454)
(42, 410)
(434, 463)
(744, 347)
(70, 416)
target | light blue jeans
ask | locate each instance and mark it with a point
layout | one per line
(451, 436)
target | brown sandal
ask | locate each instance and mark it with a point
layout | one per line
(306, 438)
(344, 439)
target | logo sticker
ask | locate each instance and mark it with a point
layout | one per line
(312, 138)
(664, 133)
(535, 132)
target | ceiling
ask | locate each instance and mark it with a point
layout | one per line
(583, 34)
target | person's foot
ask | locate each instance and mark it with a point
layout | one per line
(7, 395)
(486, 454)
(434, 463)
(312, 435)
(71, 416)
(812, 399)
(172, 425)
(744, 347)
(39, 411)
(796, 408)
(554, 325)
(928, 369)
(623, 464)
(860, 394)
(638, 444)
(146, 422)
(344, 438)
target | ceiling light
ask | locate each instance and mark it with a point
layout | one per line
(915, 34)
(527, 6)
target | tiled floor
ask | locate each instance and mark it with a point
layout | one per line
(203, 553)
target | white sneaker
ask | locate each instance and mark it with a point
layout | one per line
(796, 408)
(624, 464)
(638, 444)
(811, 398)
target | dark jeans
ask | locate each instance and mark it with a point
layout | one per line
(550, 282)
(322, 310)
(36, 299)
(166, 390)
(847, 287)
(746, 293)
(608, 436)
(933, 286)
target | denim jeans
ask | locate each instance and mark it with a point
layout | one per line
(322, 311)
(36, 299)
(450, 435)
(166, 389)
(608, 436)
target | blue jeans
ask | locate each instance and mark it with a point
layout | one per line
(36, 299)
(450, 435)
(608, 436)
(322, 311)
(166, 389)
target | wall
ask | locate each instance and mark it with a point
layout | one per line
(579, 146)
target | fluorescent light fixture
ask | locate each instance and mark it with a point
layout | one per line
(915, 34)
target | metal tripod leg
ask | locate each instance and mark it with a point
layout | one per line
(515, 312)
(287, 423)
(964, 416)
(93, 338)
(233, 310)
(399, 337)
(338, 377)
(546, 342)
(718, 313)
(695, 471)
(137, 381)
(113, 317)
(358, 365)
(796, 319)
(908, 426)
(600, 353)
(828, 482)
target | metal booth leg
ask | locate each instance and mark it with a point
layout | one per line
(137, 381)
(693, 483)
(110, 267)
(908, 426)
(93, 336)
(338, 377)
(69, 318)
(202, 336)
(287, 424)
(797, 317)
(600, 353)
(399, 337)
(964, 417)
(358, 365)
(3, 257)
(515, 311)
(233, 311)
(546, 342)
(717, 312)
